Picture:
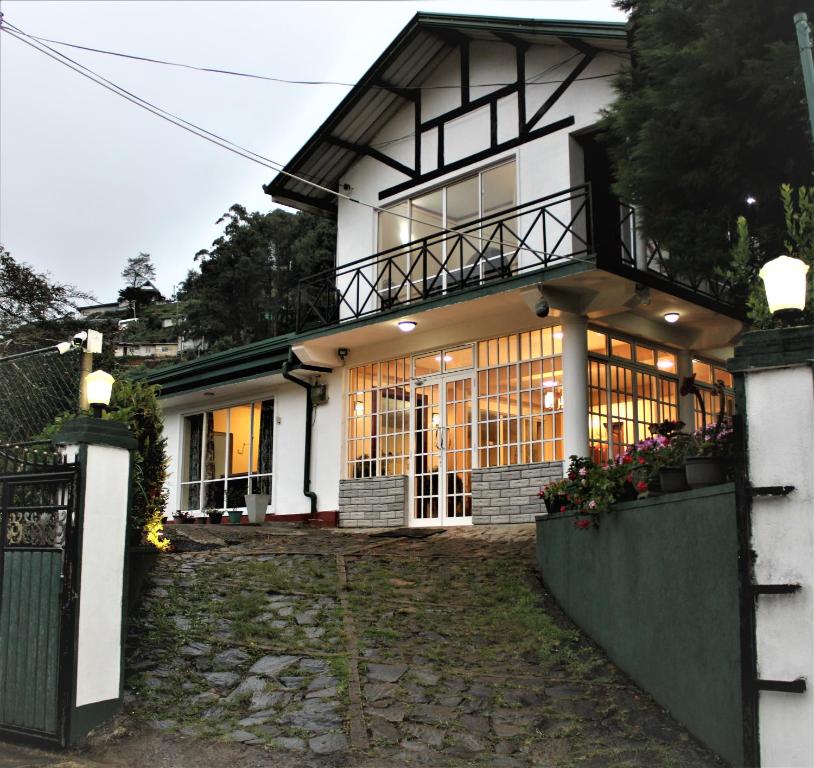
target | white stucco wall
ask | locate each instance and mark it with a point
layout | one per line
(289, 439)
(544, 165)
(781, 452)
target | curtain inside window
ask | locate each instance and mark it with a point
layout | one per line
(266, 446)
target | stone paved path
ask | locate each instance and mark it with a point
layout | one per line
(298, 647)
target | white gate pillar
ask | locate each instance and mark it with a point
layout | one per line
(102, 449)
(774, 378)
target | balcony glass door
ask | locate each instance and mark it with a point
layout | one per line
(442, 477)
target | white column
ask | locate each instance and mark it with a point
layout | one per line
(686, 405)
(575, 384)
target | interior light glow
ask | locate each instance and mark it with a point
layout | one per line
(447, 358)
(359, 407)
(406, 325)
(548, 400)
(664, 363)
(557, 334)
(671, 317)
(550, 383)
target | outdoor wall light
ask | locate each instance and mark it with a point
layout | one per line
(406, 325)
(784, 279)
(98, 386)
(671, 317)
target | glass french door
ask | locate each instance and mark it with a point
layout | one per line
(442, 469)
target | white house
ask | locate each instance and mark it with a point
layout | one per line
(492, 310)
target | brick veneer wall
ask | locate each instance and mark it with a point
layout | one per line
(372, 502)
(510, 494)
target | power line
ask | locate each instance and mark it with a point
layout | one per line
(253, 76)
(224, 143)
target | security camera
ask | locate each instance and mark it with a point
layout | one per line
(542, 307)
(80, 338)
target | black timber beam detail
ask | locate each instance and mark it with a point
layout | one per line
(464, 53)
(481, 101)
(580, 45)
(561, 89)
(409, 94)
(771, 490)
(482, 155)
(783, 686)
(775, 589)
(360, 149)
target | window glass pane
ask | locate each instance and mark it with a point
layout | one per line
(621, 348)
(723, 376)
(499, 189)
(462, 202)
(666, 361)
(215, 460)
(428, 364)
(597, 343)
(702, 371)
(455, 359)
(239, 440)
(645, 355)
(193, 445)
(394, 226)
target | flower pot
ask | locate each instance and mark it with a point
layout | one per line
(188, 520)
(672, 479)
(200, 520)
(556, 505)
(234, 516)
(256, 504)
(705, 470)
(215, 517)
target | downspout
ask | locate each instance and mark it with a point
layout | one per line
(293, 364)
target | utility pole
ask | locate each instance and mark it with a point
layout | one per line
(807, 63)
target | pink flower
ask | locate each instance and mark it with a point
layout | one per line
(583, 472)
(641, 486)
(591, 504)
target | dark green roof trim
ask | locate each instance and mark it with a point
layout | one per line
(430, 22)
(250, 361)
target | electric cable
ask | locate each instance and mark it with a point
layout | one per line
(231, 146)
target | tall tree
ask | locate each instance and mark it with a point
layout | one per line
(138, 276)
(246, 287)
(711, 111)
(34, 308)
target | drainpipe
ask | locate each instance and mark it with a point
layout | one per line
(293, 364)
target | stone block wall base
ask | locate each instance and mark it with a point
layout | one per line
(511, 494)
(373, 502)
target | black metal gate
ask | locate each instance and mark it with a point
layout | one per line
(37, 591)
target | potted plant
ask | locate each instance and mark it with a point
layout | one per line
(184, 516)
(235, 516)
(709, 455)
(257, 503)
(555, 496)
(214, 515)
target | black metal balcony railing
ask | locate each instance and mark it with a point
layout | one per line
(646, 255)
(513, 242)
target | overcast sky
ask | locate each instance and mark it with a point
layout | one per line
(87, 179)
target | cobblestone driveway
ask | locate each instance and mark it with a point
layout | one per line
(324, 647)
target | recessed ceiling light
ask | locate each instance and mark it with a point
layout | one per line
(672, 317)
(407, 325)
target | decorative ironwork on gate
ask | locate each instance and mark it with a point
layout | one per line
(37, 590)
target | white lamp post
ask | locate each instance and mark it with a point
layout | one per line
(98, 387)
(784, 279)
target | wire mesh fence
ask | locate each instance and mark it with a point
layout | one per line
(35, 388)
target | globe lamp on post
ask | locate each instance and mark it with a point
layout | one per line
(98, 386)
(784, 280)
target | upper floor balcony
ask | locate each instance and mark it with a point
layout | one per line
(513, 246)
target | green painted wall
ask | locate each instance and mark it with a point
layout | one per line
(657, 587)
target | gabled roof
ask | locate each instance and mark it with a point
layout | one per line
(375, 99)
